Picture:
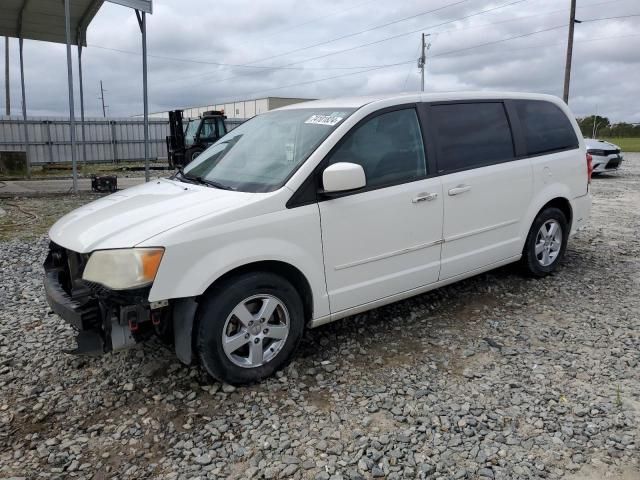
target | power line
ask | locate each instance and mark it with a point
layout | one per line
(393, 37)
(403, 63)
(494, 42)
(207, 62)
(535, 47)
(360, 32)
(267, 67)
(335, 39)
(337, 12)
(610, 18)
(442, 55)
(542, 14)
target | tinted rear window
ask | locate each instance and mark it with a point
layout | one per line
(471, 135)
(545, 127)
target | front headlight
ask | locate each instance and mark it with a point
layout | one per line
(599, 153)
(124, 268)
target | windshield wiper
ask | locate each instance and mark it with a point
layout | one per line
(202, 181)
(213, 183)
(184, 177)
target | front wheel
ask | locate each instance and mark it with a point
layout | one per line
(192, 154)
(249, 327)
(546, 242)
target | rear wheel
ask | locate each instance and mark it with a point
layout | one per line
(546, 242)
(249, 327)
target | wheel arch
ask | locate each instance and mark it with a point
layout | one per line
(562, 204)
(554, 196)
(289, 272)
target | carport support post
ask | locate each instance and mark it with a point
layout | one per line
(84, 144)
(24, 111)
(72, 120)
(142, 22)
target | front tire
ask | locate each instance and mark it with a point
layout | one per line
(546, 242)
(192, 154)
(248, 327)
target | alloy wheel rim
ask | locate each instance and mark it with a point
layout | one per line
(548, 242)
(255, 331)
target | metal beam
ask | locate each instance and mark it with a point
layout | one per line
(142, 5)
(72, 120)
(84, 144)
(85, 20)
(24, 111)
(142, 20)
(7, 93)
(21, 17)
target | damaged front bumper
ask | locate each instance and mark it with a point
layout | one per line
(108, 320)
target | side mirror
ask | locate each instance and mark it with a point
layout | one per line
(343, 176)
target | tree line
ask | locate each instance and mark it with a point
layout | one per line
(604, 128)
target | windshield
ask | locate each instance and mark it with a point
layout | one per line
(260, 154)
(190, 132)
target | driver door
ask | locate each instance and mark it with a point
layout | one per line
(384, 239)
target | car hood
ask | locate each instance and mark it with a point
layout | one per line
(594, 144)
(127, 218)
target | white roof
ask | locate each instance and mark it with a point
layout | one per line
(357, 102)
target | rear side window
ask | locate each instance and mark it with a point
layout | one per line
(471, 135)
(388, 147)
(545, 127)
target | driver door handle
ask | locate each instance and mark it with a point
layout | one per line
(459, 189)
(425, 197)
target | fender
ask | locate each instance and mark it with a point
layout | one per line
(196, 256)
(544, 196)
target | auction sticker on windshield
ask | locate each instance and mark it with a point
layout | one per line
(329, 120)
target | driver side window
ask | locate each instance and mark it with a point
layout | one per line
(388, 147)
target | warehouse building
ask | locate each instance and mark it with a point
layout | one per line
(240, 109)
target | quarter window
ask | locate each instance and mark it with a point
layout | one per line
(471, 135)
(545, 127)
(389, 147)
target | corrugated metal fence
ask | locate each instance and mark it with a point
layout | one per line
(106, 140)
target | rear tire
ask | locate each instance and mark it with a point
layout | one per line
(248, 327)
(546, 242)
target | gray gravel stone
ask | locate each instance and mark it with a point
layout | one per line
(411, 390)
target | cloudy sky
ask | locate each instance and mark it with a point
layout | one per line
(204, 52)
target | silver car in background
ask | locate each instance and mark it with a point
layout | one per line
(606, 156)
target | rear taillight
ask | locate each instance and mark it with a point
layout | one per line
(589, 167)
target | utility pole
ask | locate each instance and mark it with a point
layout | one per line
(595, 117)
(104, 113)
(423, 58)
(6, 77)
(567, 68)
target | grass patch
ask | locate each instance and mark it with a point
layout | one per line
(626, 144)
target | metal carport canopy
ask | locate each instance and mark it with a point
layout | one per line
(66, 21)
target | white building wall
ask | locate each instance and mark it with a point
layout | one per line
(240, 109)
(250, 108)
(262, 105)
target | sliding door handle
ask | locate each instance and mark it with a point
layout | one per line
(425, 197)
(459, 189)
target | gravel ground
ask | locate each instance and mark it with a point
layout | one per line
(499, 376)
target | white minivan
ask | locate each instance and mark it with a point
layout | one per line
(317, 211)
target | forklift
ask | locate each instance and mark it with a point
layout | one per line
(189, 138)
